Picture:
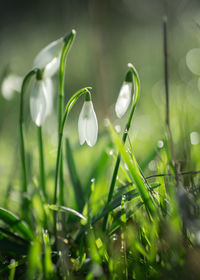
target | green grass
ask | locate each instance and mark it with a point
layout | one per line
(126, 208)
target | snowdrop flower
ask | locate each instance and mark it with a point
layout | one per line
(41, 101)
(48, 59)
(11, 84)
(124, 98)
(87, 123)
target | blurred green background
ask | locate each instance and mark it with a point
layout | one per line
(109, 35)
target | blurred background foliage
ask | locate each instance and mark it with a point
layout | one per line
(109, 35)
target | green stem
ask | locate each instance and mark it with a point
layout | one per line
(136, 86)
(21, 121)
(68, 42)
(61, 182)
(42, 168)
(68, 108)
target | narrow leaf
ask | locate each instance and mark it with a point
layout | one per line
(18, 225)
(66, 210)
(134, 171)
(74, 177)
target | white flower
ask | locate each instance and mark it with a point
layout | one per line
(39, 106)
(11, 84)
(49, 58)
(123, 99)
(49, 95)
(87, 124)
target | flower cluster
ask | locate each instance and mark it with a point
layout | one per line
(41, 99)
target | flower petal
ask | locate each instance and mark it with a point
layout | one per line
(38, 103)
(91, 127)
(49, 58)
(11, 84)
(49, 95)
(123, 99)
(82, 125)
(192, 61)
(87, 124)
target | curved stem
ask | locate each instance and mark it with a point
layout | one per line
(136, 91)
(68, 42)
(21, 120)
(68, 108)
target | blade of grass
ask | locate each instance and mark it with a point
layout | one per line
(16, 223)
(11, 235)
(74, 177)
(66, 210)
(135, 173)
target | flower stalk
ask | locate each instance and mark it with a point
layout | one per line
(136, 91)
(68, 40)
(21, 132)
(42, 166)
(68, 108)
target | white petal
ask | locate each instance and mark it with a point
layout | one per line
(192, 61)
(38, 103)
(123, 99)
(87, 124)
(49, 58)
(11, 84)
(49, 95)
(82, 126)
(91, 127)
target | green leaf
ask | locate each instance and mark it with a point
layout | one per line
(134, 169)
(74, 177)
(15, 223)
(66, 210)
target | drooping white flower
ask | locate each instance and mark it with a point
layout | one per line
(11, 84)
(49, 95)
(124, 99)
(87, 124)
(49, 58)
(38, 102)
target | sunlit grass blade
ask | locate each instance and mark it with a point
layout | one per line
(34, 259)
(116, 202)
(48, 265)
(135, 172)
(16, 223)
(74, 177)
(65, 210)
